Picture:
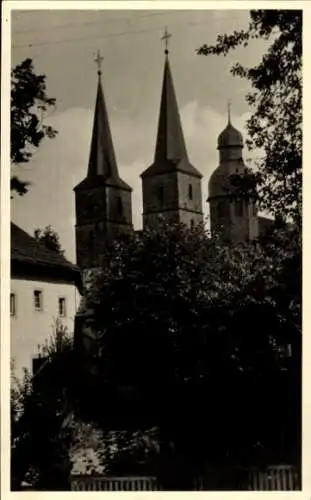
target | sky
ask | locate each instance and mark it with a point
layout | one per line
(63, 45)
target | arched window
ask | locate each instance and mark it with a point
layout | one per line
(96, 208)
(119, 206)
(160, 194)
(221, 209)
(91, 241)
(91, 248)
(254, 209)
(190, 193)
(238, 208)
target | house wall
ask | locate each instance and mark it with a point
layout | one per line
(30, 327)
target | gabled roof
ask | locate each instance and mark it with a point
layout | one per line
(170, 151)
(30, 256)
(102, 168)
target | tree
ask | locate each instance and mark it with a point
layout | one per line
(49, 238)
(29, 103)
(41, 418)
(48, 440)
(176, 349)
(179, 376)
(275, 126)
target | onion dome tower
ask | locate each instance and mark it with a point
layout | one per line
(233, 217)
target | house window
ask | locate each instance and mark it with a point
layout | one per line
(37, 296)
(12, 304)
(190, 193)
(160, 194)
(238, 208)
(191, 223)
(62, 307)
(119, 206)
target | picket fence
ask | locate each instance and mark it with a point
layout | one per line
(275, 478)
(106, 483)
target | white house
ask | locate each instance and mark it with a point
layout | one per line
(45, 287)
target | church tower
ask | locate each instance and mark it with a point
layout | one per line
(103, 199)
(234, 218)
(171, 185)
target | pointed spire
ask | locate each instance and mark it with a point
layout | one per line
(170, 143)
(170, 150)
(102, 159)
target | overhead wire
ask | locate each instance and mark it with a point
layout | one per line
(96, 37)
(109, 35)
(118, 34)
(107, 21)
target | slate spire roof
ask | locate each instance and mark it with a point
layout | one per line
(102, 160)
(170, 144)
(170, 150)
(102, 168)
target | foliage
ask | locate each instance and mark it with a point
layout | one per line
(189, 367)
(49, 238)
(29, 103)
(41, 418)
(191, 336)
(275, 126)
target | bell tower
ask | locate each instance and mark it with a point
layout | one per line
(233, 216)
(103, 199)
(171, 184)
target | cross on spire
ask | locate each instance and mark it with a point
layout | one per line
(98, 60)
(166, 38)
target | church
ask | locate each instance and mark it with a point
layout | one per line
(171, 189)
(171, 184)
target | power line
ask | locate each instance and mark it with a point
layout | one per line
(96, 37)
(110, 35)
(90, 23)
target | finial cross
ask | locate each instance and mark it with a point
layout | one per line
(99, 59)
(166, 38)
